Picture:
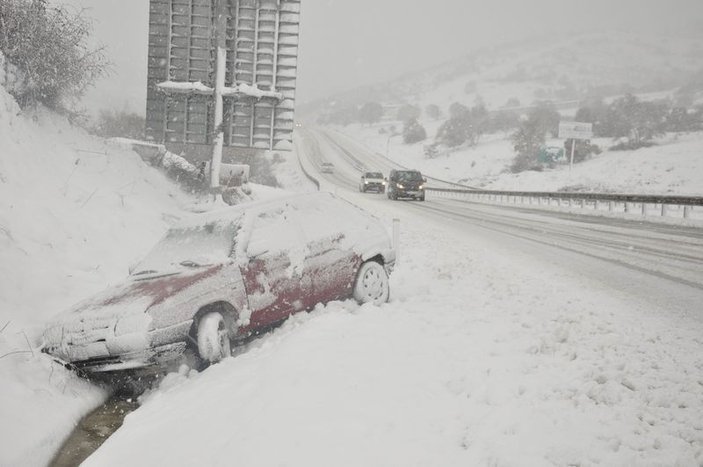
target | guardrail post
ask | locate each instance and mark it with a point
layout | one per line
(396, 238)
(663, 210)
(582, 203)
(686, 212)
(610, 206)
(644, 209)
(627, 207)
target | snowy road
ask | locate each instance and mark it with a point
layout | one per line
(659, 264)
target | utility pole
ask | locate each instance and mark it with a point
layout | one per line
(220, 73)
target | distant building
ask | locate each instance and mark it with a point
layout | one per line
(261, 68)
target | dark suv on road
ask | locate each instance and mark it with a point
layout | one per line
(406, 184)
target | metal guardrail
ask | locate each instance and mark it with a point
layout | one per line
(307, 174)
(630, 203)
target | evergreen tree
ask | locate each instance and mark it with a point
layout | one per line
(464, 125)
(527, 141)
(413, 132)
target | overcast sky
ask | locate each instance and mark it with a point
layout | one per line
(345, 43)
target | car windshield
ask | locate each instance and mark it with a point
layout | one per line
(190, 247)
(410, 176)
(374, 175)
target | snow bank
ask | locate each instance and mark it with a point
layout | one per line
(483, 357)
(75, 213)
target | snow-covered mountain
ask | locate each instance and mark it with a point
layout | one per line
(553, 68)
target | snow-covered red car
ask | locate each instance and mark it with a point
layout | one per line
(219, 277)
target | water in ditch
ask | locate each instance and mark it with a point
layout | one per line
(94, 429)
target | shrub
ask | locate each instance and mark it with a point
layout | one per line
(582, 150)
(48, 45)
(124, 124)
(370, 113)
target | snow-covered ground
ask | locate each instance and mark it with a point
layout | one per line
(483, 357)
(673, 166)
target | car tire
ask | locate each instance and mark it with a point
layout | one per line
(213, 338)
(371, 284)
(422, 198)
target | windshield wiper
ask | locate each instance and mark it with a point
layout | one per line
(190, 264)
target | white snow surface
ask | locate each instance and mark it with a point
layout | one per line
(484, 356)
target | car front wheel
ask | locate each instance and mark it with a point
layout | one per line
(371, 284)
(213, 338)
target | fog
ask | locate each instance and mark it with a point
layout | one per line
(345, 44)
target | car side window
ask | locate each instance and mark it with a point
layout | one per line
(275, 231)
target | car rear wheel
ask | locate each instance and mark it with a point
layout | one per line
(371, 285)
(213, 338)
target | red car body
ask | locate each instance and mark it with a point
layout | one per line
(255, 264)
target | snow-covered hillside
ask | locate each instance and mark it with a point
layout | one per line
(74, 214)
(673, 166)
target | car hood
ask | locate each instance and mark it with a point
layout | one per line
(116, 321)
(136, 294)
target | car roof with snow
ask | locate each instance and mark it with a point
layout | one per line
(232, 214)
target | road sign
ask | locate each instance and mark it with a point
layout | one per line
(222, 72)
(575, 130)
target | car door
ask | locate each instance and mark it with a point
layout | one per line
(273, 273)
(330, 262)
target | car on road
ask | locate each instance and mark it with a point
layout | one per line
(217, 278)
(327, 168)
(372, 181)
(406, 184)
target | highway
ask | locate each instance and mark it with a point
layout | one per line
(655, 264)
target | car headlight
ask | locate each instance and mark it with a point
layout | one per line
(384, 183)
(421, 187)
(400, 186)
(366, 182)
